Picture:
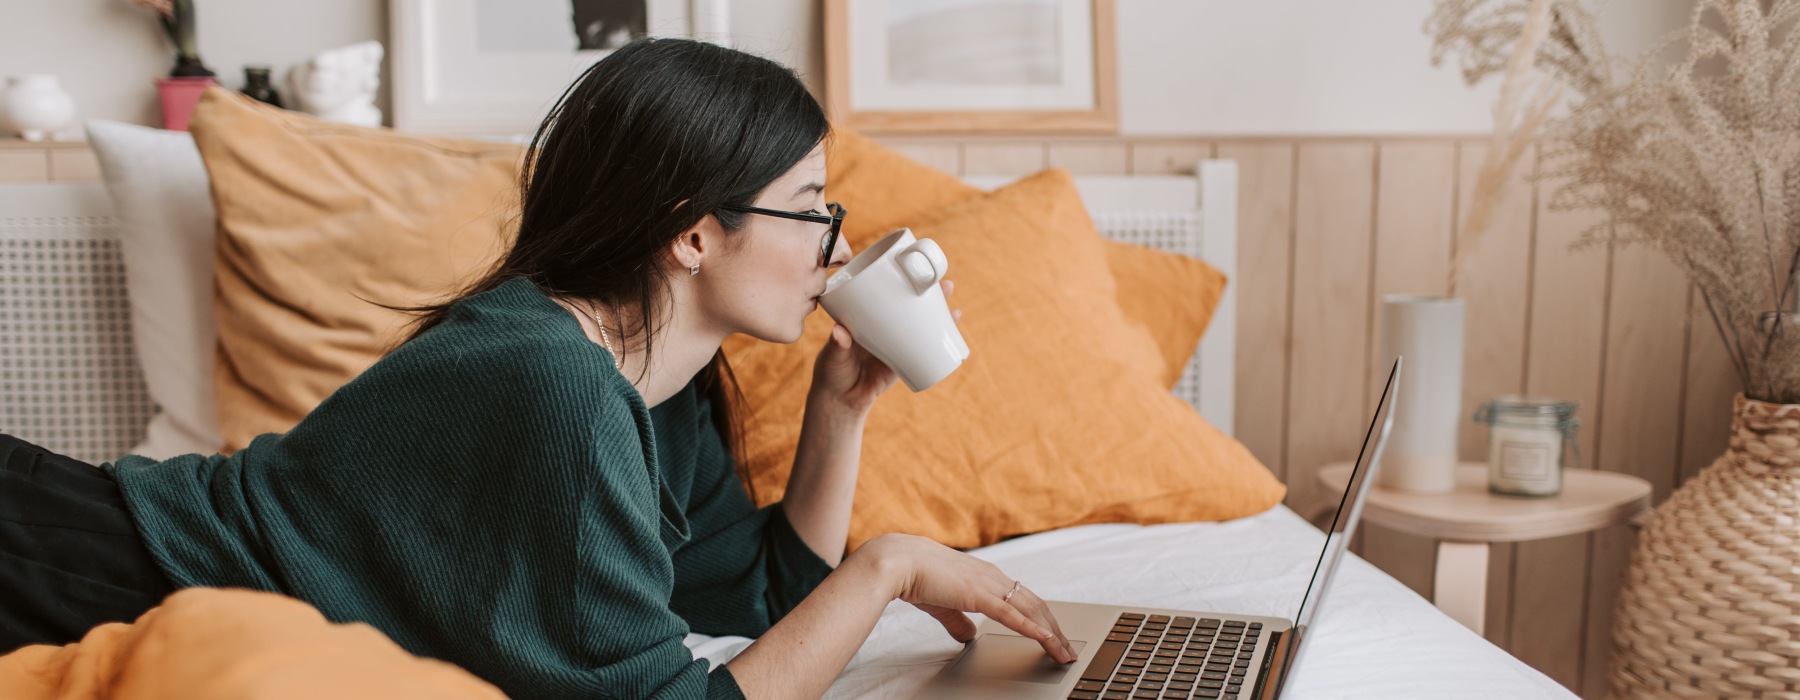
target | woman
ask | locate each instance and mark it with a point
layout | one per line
(537, 485)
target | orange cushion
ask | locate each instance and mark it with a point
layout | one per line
(1061, 416)
(318, 224)
(206, 644)
(1172, 296)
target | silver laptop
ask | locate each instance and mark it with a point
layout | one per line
(1138, 653)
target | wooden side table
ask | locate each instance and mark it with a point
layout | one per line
(1465, 520)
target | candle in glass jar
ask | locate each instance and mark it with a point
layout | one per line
(1525, 444)
(1528, 458)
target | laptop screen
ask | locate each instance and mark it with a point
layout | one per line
(1343, 523)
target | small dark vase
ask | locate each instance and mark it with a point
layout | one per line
(189, 67)
(258, 86)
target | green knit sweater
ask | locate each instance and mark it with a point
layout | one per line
(495, 494)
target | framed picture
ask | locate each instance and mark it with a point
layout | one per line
(971, 65)
(494, 68)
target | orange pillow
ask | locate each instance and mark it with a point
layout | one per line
(1061, 416)
(1173, 296)
(320, 222)
(210, 643)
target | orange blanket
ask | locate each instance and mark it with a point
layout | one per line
(211, 643)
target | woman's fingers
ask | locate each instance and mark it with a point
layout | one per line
(1013, 619)
(1038, 610)
(960, 627)
(1008, 614)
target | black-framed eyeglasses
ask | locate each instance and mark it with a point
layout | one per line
(835, 220)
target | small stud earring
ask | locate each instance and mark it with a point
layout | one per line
(695, 270)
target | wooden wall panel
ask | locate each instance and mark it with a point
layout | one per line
(1495, 283)
(1547, 626)
(1329, 324)
(1415, 213)
(1546, 622)
(943, 156)
(1415, 210)
(1264, 279)
(1003, 158)
(1644, 355)
(1092, 158)
(1167, 157)
(1711, 386)
(1640, 422)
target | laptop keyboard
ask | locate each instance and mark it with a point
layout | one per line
(1156, 656)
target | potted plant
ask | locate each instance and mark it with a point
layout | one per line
(189, 77)
(1697, 154)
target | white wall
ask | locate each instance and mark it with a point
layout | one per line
(1301, 67)
(109, 53)
(1217, 67)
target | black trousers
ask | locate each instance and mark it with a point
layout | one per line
(71, 557)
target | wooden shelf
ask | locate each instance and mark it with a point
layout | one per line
(14, 142)
(46, 161)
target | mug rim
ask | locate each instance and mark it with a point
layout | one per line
(867, 258)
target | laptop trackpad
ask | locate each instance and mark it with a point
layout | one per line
(1005, 657)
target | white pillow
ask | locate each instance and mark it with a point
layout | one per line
(164, 203)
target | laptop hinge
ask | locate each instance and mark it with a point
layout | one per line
(1277, 661)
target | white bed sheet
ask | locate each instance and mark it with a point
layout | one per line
(1374, 637)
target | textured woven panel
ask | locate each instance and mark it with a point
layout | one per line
(69, 377)
(1170, 231)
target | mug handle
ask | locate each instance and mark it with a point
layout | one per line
(924, 264)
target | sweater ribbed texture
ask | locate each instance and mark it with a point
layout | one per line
(496, 495)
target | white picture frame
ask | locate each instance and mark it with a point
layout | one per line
(444, 82)
(960, 66)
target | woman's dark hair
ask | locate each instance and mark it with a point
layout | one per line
(646, 143)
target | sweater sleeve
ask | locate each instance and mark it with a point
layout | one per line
(743, 568)
(626, 579)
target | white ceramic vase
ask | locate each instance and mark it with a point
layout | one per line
(37, 106)
(1428, 332)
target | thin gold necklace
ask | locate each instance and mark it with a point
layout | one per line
(607, 342)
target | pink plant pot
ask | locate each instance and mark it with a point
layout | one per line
(179, 95)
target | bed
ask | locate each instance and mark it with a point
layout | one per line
(67, 362)
(1374, 638)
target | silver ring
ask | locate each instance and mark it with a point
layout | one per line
(1009, 594)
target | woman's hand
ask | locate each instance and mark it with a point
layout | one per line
(846, 382)
(800, 655)
(946, 584)
(847, 376)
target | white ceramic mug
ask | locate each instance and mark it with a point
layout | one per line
(890, 299)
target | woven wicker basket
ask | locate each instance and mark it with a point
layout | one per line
(1710, 606)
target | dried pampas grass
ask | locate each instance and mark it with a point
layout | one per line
(1515, 126)
(1700, 159)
